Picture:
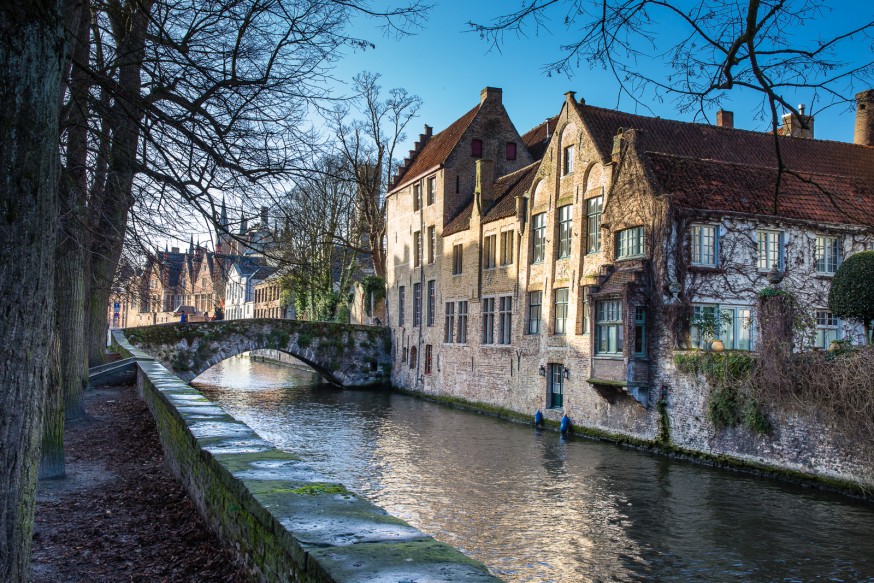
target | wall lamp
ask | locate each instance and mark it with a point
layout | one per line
(567, 373)
(542, 371)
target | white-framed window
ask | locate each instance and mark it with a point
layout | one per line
(417, 196)
(629, 243)
(488, 336)
(828, 254)
(535, 310)
(705, 251)
(432, 190)
(770, 245)
(505, 319)
(608, 327)
(506, 247)
(828, 328)
(490, 248)
(559, 320)
(449, 328)
(417, 248)
(594, 209)
(731, 324)
(538, 237)
(565, 230)
(432, 244)
(568, 161)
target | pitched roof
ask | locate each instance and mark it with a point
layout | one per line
(436, 150)
(721, 186)
(506, 189)
(537, 138)
(461, 221)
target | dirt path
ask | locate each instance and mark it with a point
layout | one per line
(120, 515)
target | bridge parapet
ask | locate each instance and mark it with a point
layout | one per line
(344, 354)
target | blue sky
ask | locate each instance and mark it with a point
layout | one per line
(447, 67)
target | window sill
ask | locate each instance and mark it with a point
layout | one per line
(700, 268)
(823, 275)
(610, 356)
(630, 257)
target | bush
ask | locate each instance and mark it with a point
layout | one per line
(852, 292)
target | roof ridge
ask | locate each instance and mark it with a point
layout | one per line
(745, 165)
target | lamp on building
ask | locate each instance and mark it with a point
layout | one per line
(674, 287)
(542, 370)
(567, 373)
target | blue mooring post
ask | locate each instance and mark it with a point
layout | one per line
(565, 424)
(538, 419)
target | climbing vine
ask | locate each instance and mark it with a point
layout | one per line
(374, 291)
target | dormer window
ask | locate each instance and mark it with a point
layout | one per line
(476, 148)
(511, 150)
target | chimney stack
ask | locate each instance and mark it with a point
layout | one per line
(864, 134)
(797, 126)
(485, 181)
(725, 119)
(489, 94)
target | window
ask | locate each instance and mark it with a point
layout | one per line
(608, 327)
(417, 248)
(432, 190)
(640, 331)
(538, 237)
(511, 150)
(462, 322)
(404, 354)
(506, 247)
(432, 298)
(449, 326)
(488, 320)
(704, 245)
(505, 319)
(559, 322)
(556, 386)
(432, 244)
(565, 230)
(402, 295)
(629, 243)
(427, 359)
(594, 208)
(490, 244)
(535, 308)
(417, 196)
(457, 259)
(731, 324)
(568, 161)
(828, 254)
(417, 304)
(770, 250)
(413, 355)
(476, 148)
(827, 329)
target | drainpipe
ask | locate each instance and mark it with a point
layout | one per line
(422, 291)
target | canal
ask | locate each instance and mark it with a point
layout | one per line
(536, 507)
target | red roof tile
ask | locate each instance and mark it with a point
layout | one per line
(461, 221)
(537, 138)
(506, 189)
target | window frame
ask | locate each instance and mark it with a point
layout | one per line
(510, 150)
(733, 315)
(538, 321)
(429, 354)
(826, 331)
(418, 253)
(506, 254)
(538, 238)
(593, 223)
(565, 221)
(402, 296)
(609, 328)
(432, 302)
(555, 399)
(449, 323)
(417, 196)
(476, 148)
(764, 252)
(432, 244)
(417, 304)
(828, 254)
(461, 337)
(560, 298)
(640, 339)
(567, 160)
(699, 246)
(634, 236)
(505, 320)
(488, 321)
(457, 259)
(431, 190)
(490, 257)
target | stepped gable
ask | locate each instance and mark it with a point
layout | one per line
(733, 146)
(537, 138)
(506, 189)
(720, 186)
(434, 152)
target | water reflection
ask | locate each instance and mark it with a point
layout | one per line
(537, 508)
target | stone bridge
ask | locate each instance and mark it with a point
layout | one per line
(345, 355)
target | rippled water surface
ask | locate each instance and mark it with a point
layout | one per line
(534, 507)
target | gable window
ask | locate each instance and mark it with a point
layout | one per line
(828, 254)
(417, 248)
(505, 319)
(704, 245)
(770, 250)
(608, 327)
(432, 244)
(449, 327)
(565, 230)
(462, 322)
(417, 196)
(559, 322)
(432, 190)
(488, 320)
(476, 148)
(538, 237)
(629, 243)
(490, 245)
(568, 161)
(511, 150)
(594, 208)
(432, 298)
(457, 259)
(506, 247)
(417, 304)
(535, 308)
(556, 386)
(402, 294)
(428, 359)
(827, 329)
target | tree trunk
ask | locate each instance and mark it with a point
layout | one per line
(31, 60)
(51, 462)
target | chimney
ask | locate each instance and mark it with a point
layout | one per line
(792, 124)
(864, 134)
(263, 217)
(618, 141)
(490, 93)
(725, 119)
(547, 130)
(485, 181)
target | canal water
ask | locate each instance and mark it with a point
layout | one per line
(536, 507)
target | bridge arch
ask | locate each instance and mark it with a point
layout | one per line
(344, 354)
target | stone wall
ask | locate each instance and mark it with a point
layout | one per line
(285, 521)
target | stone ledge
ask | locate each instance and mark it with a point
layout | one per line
(285, 521)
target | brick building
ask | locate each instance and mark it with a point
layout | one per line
(561, 269)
